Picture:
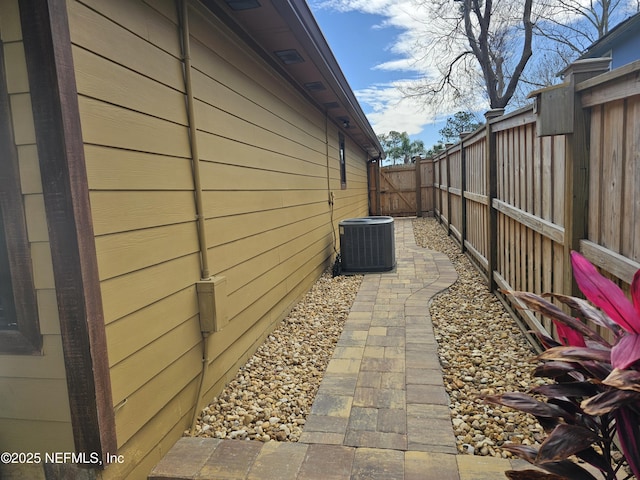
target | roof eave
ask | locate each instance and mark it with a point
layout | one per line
(319, 62)
(331, 67)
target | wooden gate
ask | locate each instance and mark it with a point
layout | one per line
(403, 190)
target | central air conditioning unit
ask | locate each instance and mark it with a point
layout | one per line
(367, 244)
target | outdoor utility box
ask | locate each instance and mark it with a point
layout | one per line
(367, 244)
(553, 107)
(212, 299)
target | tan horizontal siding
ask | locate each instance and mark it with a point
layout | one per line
(230, 229)
(127, 252)
(218, 55)
(35, 435)
(134, 122)
(27, 395)
(115, 212)
(106, 37)
(36, 218)
(225, 203)
(263, 129)
(34, 405)
(142, 20)
(167, 313)
(30, 181)
(129, 293)
(146, 402)
(238, 341)
(145, 171)
(264, 174)
(21, 112)
(48, 312)
(128, 375)
(271, 293)
(149, 444)
(229, 255)
(298, 159)
(251, 108)
(33, 367)
(109, 125)
(101, 79)
(221, 176)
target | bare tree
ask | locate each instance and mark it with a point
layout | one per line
(475, 49)
(576, 24)
(562, 32)
(475, 43)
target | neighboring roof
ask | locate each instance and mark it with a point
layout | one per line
(624, 29)
(303, 57)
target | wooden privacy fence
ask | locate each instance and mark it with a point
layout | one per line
(562, 174)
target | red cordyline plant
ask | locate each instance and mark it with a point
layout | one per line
(596, 394)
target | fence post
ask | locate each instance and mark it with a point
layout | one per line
(418, 186)
(373, 180)
(492, 192)
(576, 212)
(378, 188)
(434, 192)
(447, 167)
(437, 195)
(463, 188)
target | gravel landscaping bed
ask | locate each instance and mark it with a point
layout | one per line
(272, 393)
(482, 351)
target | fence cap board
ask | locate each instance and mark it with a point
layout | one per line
(615, 85)
(477, 136)
(625, 70)
(517, 118)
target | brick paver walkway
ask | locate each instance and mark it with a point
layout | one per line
(381, 412)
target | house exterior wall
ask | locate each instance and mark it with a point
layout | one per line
(34, 406)
(268, 160)
(626, 51)
(621, 44)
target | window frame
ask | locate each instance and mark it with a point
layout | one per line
(26, 339)
(342, 156)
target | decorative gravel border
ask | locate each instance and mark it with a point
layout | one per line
(482, 351)
(272, 393)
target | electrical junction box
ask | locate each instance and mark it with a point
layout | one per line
(212, 300)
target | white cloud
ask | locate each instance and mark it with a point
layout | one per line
(390, 109)
(376, 7)
(402, 64)
(412, 55)
(400, 14)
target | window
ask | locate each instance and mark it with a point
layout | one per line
(19, 327)
(7, 307)
(343, 161)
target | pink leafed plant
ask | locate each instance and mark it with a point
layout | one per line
(596, 395)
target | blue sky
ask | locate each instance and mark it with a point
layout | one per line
(364, 45)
